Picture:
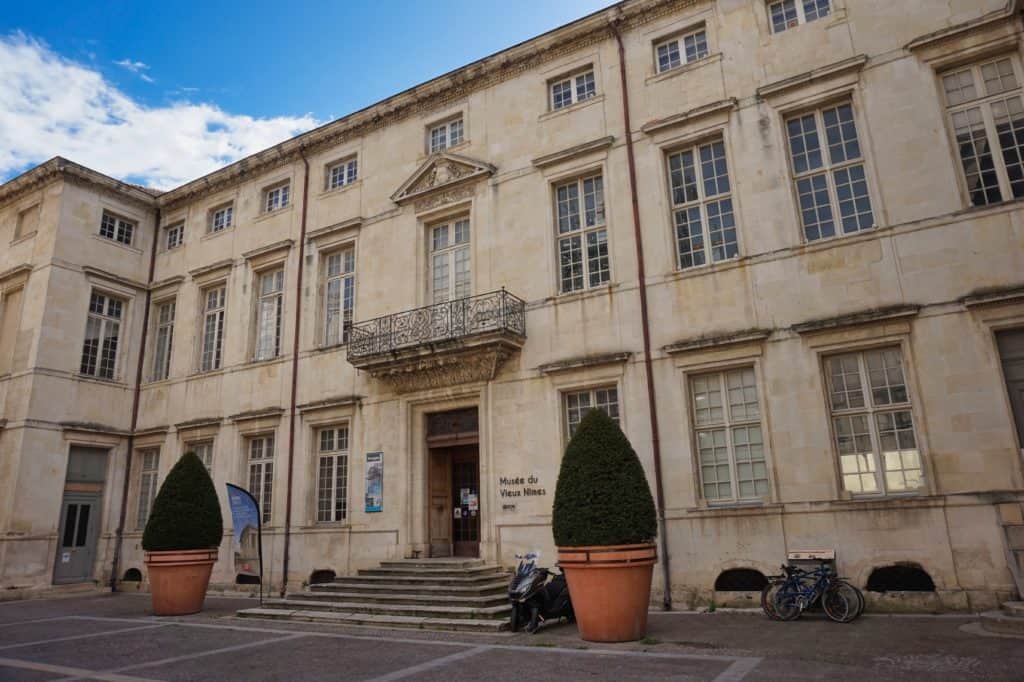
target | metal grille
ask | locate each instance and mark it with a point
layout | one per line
(495, 311)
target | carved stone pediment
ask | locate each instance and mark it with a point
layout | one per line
(441, 173)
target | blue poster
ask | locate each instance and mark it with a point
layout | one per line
(374, 481)
(248, 541)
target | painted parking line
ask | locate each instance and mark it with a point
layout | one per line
(75, 673)
(430, 665)
(34, 620)
(85, 636)
(210, 652)
(738, 670)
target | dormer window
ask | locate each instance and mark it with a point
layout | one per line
(681, 49)
(572, 89)
(276, 197)
(445, 135)
(789, 14)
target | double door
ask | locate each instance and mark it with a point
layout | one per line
(455, 501)
(79, 532)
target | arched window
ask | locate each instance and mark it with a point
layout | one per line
(740, 580)
(321, 576)
(900, 578)
(132, 575)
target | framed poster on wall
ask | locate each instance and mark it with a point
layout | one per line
(374, 481)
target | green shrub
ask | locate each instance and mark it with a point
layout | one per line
(602, 496)
(186, 512)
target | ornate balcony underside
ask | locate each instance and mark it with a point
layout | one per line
(456, 342)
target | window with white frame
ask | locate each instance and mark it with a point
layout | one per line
(445, 135)
(204, 451)
(829, 172)
(149, 463)
(222, 218)
(276, 197)
(211, 352)
(102, 333)
(332, 475)
(987, 115)
(873, 423)
(791, 13)
(572, 89)
(28, 222)
(578, 403)
(702, 205)
(174, 236)
(582, 234)
(261, 473)
(342, 173)
(450, 261)
(118, 229)
(679, 50)
(729, 440)
(163, 340)
(339, 295)
(268, 314)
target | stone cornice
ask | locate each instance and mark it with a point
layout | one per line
(717, 340)
(829, 71)
(167, 283)
(18, 272)
(573, 152)
(584, 362)
(92, 427)
(339, 401)
(994, 296)
(198, 423)
(690, 116)
(152, 431)
(283, 245)
(59, 168)
(957, 30)
(323, 232)
(854, 319)
(113, 277)
(257, 414)
(203, 271)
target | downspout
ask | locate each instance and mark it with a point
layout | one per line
(295, 369)
(645, 322)
(116, 563)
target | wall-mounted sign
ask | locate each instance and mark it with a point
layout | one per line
(374, 481)
(519, 486)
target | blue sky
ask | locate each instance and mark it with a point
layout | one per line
(161, 93)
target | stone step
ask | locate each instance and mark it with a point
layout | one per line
(433, 563)
(412, 610)
(451, 572)
(389, 579)
(1000, 622)
(1013, 608)
(362, 585)
(389, 597)
(389, 621)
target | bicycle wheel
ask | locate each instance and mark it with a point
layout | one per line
(840, 604)
(768, 597)
(854, 591)
(787, 602)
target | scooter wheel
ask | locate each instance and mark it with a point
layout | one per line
(515, 620)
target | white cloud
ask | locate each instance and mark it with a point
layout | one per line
(51, 106)
(137, 68)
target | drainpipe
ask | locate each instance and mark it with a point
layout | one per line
(116, 563)
(295, 368)
(645, 321)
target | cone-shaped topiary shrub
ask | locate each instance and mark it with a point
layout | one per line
(602, 496)
(186, 512)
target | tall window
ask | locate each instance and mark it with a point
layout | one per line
(790, 13)
(276, 197)
(445, 135)
(872, 422)
(261, 473)
(174, 236)
(984, 103)
(579, 403)
(573, 89)
(213, 328)
(830, 183)
(702, 205)
(332, 475)
(10, 321)
(150, 460)
(449, 261)
(342, 173)
(102, 333)
(582, 235)
(268, 321)
(339, 295)
(204, 451)
(116, 228)
(164, 340)
(727, 428)
(222, 218)
(681, 50)
(28, 221)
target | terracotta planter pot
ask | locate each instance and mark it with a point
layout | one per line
(610, 589)
(178, 580)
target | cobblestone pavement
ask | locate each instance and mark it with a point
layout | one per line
(114, 637)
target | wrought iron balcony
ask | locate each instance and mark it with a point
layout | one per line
(413, 344)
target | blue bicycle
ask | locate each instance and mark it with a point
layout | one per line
(797, 590)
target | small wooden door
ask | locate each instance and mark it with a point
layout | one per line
(440, 511)
(466, 498)
(1011, 353)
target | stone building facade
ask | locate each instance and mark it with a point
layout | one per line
(790, 228)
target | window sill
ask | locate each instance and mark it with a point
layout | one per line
(267, 215)
(206, 373)
(454, 148)
(708, 268)
(554, 113)
(179, 247)
(683, 68)
(569, 297)
(24, 237)
(114, 242)
(828, 242)
(339, 190)
(101, 382)
(327, 348)
(253, 362)
(327, 525)
(218, 233)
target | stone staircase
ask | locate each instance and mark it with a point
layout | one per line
(1011, 518)
(1008, 621)
(435, 594)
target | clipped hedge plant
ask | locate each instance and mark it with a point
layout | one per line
(186, 512)
(602, 496)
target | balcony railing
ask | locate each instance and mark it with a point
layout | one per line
(497, 311)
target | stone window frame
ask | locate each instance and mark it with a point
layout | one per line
(572, 78)
(105, 319)
(277, 270)
(162, 374)
(578, 177)
(450, 252)
(226, 209)
(335, 454)
(679, 39)
(147, 484)
(21, 212)
(118, 228)
(594, 402)
(349, 175)
(276, 197)
(203, 312)
(799, 13)
(448, 124)
(258, 466)
(206, 444)
(11, 284)
(173, 236)
(346, 316)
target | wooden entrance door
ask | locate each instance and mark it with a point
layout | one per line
(466, 499)
(440, 511)
(1011, 353)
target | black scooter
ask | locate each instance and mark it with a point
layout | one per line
(534, 598)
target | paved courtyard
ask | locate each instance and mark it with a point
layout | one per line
(114, 637)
